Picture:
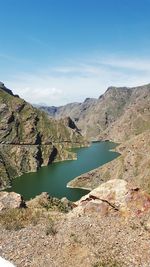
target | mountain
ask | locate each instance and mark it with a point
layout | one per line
(77, 111)
(134, 120)
(29, 138)
(132, 130)
(119, 113)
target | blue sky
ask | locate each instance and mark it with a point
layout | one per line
(60, 51)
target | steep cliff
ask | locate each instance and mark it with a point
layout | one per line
(118, 114)
(29, 138)
(134, 120)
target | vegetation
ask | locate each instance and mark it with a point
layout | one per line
(50, 228)
(55, 204)
(16, 219)
(107, 263)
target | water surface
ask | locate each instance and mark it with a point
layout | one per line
(54, 178)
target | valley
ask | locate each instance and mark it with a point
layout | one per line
(108, 225)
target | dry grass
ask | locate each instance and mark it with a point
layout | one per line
(15, 219)
(50, 228)
(55, 204)
(107, 263)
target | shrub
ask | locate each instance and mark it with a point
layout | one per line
(110, 262)
(50, 229)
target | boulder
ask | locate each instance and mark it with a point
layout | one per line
(116, 195)
(11, 200)
(39, 200)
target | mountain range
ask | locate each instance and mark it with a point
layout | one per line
(121, 108)
(121, 115)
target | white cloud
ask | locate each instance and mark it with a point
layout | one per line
(79, 79)
(135, 64)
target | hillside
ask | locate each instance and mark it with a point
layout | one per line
(132, 130)
(30, 139)
(77, 111)
(109, 227)
(132, 165)
(120, 110)
(135, 118)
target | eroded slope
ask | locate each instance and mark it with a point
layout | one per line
(29, 138)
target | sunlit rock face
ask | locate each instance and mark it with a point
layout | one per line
(116, 196)
(11, 200)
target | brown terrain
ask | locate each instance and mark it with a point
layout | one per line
(108, 227)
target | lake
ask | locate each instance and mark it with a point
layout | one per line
(54, 178)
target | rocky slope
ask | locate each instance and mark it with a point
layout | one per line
(135, 118)
(109, 227)
(77, 111)
(132, 165)
(30, 139)
(119, 113)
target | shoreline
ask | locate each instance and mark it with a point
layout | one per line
(68, 185)
(88, 144)
(86, 174)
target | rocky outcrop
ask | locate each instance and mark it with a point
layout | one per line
(107, 227)
(30, 139)
(116, 195)
(4, 88)
(11, 200)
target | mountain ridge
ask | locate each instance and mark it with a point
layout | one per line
(94, 116)
(30, 139)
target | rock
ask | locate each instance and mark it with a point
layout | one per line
(11, 200)
(65, 201)
(67, 204)
(40, 200)
(116, 195)
(2, 86)
(70, 123)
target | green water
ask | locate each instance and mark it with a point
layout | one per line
(54, 178)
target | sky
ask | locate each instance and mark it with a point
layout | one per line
(54, 52)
